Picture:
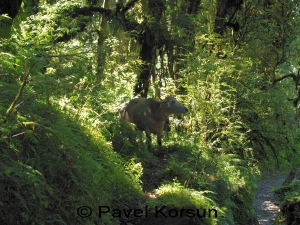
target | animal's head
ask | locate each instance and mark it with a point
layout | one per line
(171, 106)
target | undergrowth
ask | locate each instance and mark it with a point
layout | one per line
(52, 165)
(64, 151)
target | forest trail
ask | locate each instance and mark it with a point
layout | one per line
(265, 206)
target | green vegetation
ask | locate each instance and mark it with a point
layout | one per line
(66, 67)
(289, 199)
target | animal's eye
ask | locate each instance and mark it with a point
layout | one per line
(173, 102)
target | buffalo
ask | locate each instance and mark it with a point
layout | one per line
(151, 115)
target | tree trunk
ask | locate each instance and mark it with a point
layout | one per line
(146, 55)
(226, 8)
(151, 39)
(101, 56)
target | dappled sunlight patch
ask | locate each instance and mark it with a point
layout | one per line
(176, 201)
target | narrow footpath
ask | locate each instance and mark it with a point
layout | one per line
(265, 206)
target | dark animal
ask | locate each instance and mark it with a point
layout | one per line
(150, 115)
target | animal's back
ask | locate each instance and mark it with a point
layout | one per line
(138, 112)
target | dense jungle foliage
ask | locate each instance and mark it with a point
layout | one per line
(67, 66)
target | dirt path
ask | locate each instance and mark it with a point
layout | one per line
(264, 202)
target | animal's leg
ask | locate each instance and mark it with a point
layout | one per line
(149, 140)
(159, 139)
(148, 134)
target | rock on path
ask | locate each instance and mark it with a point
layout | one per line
(264, 202)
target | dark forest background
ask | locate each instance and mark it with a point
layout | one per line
(66, 67)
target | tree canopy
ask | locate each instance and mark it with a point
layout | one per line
(67, 66)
